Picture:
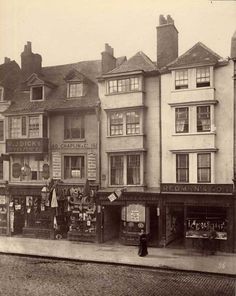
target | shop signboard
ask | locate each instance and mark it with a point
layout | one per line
(197, 188)
(92, 167)
(56, 165)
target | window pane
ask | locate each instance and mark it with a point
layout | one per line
(37, 93)
(133, 169)
(181, 120)
(134, 83)
(117, 168)
(112, 86)
(74, 167)
(203, 76)
(181, 79)
(74, 127)
(15, 127)
(116, 124)
(204, 167)
(75, 90)
(33, 126)
(182, 168)
(132, 123)
(203, 119)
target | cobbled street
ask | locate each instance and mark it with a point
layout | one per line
(22, 276)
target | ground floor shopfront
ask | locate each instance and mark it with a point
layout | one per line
(189, 216)
(122, 219)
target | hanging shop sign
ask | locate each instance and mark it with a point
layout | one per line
(197, 188)
(92, 166)
(2, 199)
(26, 145)
(61, 146)
(56, 165)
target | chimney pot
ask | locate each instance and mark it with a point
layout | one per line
(162, 20)
(6, 60)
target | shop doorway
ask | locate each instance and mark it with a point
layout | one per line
(154, 224)
(111, 217)
(18, 215)
(175, 226)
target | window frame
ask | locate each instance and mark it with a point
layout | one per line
(203, 78)
(68, 118)
(32, 93)
(181, 80)
(3, 130)
(204, 167)
(200, 127)
(186, 120)
(77, 93)
(123, 128)
(180, 169)
(23, 127)
(124, 85)
(82, 167)
(124, 177)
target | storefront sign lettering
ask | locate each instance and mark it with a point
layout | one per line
(92, 166)
(198, 188)
(56, 165)
(26, 145)
(73, 146)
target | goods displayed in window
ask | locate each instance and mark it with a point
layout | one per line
(202, 220)
(3, 214)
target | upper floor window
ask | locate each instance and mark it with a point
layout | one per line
(74, 167)
(181, 79)
(75, 90)
(182, 168)
(203, 77)
(74, 127)
(203, 119)
(181, 120)
(124, 85)
(25, 126)
(37, 93)
(125, 123)
(1, 93)
(1, 130)
(204, 168)
(125, 169)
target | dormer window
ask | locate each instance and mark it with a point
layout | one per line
(75, 90)
(37, 93)
(1, 93)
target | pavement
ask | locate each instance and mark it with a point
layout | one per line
(115, 253)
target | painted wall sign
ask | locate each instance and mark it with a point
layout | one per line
(56, 165)
(197, 188)
(92, 166)
(26, 145)
(61, 146)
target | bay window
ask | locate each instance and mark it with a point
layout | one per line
(116, 124)
(124, 85)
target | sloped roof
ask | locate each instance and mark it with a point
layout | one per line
(56, 98)
(139, 62)
(198, 54)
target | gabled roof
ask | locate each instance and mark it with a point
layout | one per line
(57, 97)
(199, 54)
(138, 62)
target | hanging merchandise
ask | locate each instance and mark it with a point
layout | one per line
(54, 203)
(55, 226)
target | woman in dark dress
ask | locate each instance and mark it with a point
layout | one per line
(142, 251)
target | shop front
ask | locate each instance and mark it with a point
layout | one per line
(123, 219)
(193, 212)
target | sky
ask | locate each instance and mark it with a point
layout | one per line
(69, 31)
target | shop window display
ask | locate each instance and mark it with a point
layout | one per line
(3, 215)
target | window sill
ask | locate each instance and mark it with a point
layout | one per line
(132, 135)
(192, 89)
(194, 134)
(125, 92)
(74, 140)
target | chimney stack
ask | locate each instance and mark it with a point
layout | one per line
(108, 59)
(7, 60)
(167, 41)
(30, 62)
(233, 46)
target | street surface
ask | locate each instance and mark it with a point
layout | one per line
(22, 276)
